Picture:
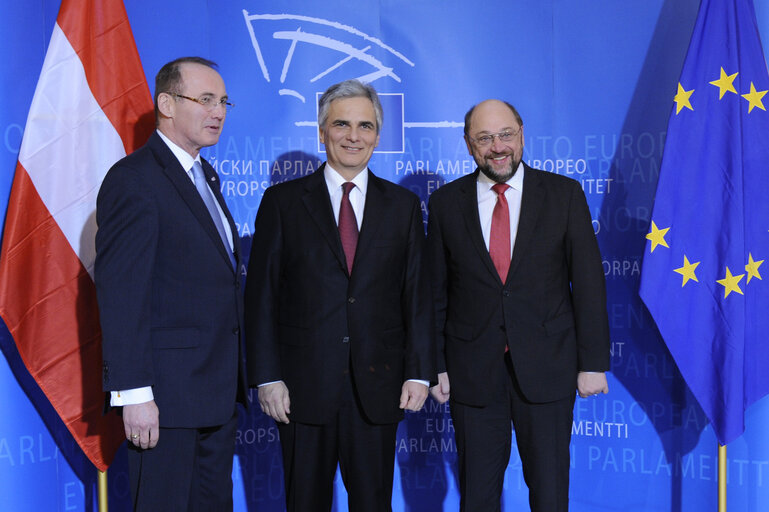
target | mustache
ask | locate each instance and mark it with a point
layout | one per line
(494, 154)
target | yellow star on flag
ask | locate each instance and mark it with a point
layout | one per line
(682, 99)
(687, 271)
(754, 98)
(657, 237)
(752, 268)
(731, 283)
(725, 83)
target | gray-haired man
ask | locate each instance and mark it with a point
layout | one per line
(338, 317)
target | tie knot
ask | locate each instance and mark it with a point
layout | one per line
(197, 172)
(347, 186)
(500, 188)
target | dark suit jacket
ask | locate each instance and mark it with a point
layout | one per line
(308, 322)
(551, 312)
(169, 300)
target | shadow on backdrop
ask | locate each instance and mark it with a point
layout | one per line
(645, 367)
(425, 448)
(65, 443)
(257, 443)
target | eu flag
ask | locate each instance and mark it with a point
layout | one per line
(702, 277)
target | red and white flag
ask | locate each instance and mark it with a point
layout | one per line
(91, 106)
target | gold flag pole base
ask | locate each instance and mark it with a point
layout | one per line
(721, 478)
(101, 484)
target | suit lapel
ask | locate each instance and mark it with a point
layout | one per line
(373, 213)
(318, 205)
(531, 203)
(468, 202)
(186, 189)
(215, 185)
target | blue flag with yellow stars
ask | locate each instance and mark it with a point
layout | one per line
(702, 276)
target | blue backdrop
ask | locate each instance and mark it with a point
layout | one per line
(594, 82)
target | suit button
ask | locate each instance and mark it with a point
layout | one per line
(351, 300)
(346, 339)
(236, 331)
(505, 293)
(237, 284)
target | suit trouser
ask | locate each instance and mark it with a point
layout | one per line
(483, 434)
(190, 469)
(364, 451)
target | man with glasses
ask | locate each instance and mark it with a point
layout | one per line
(520, 313)
(168, 287)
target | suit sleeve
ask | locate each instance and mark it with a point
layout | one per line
(126, 243)
(438, 274)
(588, 287)
(417, 305)
(261, 296)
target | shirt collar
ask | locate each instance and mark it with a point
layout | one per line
(184, 158)
(516, 181)
(334, 180)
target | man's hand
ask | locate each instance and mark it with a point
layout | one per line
(273, 398)
(141, 423)
(440, 391)
(413, 395)
(590, 383)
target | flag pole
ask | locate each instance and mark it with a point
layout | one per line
(721, 478)
(102, 488)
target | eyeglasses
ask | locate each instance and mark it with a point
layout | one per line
(488, 139)
(208, 102)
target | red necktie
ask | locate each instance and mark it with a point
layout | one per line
(348, 225)
(499, 240)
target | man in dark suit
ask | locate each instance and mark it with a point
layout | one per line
(338, 322)
(521, 313)
(170, 301)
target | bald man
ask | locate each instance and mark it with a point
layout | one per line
(520, 310)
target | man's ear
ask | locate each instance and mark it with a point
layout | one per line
(166, 105)
(469, 145)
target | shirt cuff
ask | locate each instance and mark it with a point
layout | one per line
(426, 383)
(131, 396)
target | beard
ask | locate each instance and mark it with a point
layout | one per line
(502, 175)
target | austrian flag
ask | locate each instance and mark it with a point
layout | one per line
(91, 106)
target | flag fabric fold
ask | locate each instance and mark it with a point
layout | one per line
(703, 275)
(91, 106)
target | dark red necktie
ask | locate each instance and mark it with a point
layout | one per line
(348, 225)
(499, 239)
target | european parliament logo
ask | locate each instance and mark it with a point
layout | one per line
(302, 55)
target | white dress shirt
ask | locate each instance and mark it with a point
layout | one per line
(334, 182)
(487, 199)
